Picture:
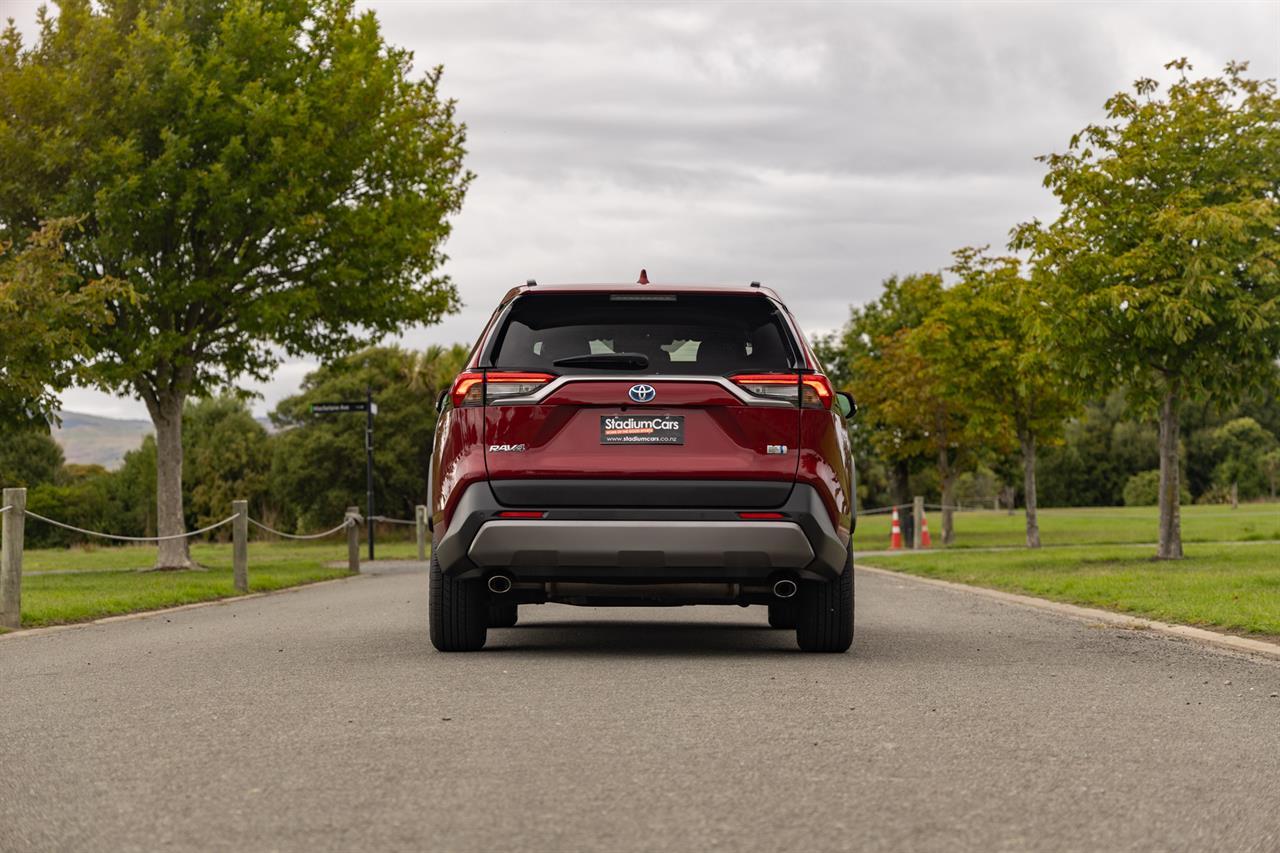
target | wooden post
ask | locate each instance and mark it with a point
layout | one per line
(420, 517)
(917, 517)
(240, 545)
(353, 539)
(11, 557)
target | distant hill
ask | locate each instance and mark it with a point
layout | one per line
(94, 440)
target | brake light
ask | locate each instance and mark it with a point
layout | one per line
(466, 389)
(513, 384)
(472, 389)
(816, 391)
(775, 386)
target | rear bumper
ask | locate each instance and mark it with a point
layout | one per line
(642, 544)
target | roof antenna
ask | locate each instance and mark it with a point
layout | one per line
(644, 278)
(531, 283)
(755, 284)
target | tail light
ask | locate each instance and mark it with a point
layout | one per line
(816, 391)
(473, 389)
(467, 389)
(813, 390)
(774, 386)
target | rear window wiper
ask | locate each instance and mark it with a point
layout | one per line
(615, 360)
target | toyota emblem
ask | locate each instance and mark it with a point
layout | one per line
(642, 393)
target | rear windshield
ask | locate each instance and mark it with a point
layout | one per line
(688, 334)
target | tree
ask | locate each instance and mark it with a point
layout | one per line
(46, 318)
(28, 457)
(872, 327)
(979, 341)
(318, 468)
(1102, 448)
(1161, 273)
(1270, 463)
(265, 173)
(1240, 447)
(134, 489)
(228, 458)
(915, 413)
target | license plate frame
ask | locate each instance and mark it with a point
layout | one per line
(630, 429)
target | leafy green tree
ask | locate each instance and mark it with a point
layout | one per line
(228, 458)
(1240, 447)
(265, 174)
(1160, 274)
(915, 413)
(134, 490)
(28, 457)
(81, 498)
(318, 461)
(1270, 464)
(47, 315)
(979, 342)
(873, 327)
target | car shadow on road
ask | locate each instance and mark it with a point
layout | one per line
(609, 638)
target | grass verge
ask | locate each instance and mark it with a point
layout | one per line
(78, 585)
(1227, 587)
(1088, 526)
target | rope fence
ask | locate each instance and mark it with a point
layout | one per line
(15, 514)
(387, 520)
(119, 538)
(350, 522)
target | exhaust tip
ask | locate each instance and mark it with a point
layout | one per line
(499, 584)
(784, 588)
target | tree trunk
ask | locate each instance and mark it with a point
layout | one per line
(1029, 487)
(901, 497)
(947, 478)
(901, 483)
(166, 414)
(1170, 547)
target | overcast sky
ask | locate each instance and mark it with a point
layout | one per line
(819, 148)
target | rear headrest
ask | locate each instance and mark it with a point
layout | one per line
(719, 355)
(559, 345)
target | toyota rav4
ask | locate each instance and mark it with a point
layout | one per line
(642, 444)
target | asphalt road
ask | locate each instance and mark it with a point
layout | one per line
(323, 720)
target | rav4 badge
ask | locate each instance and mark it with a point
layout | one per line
(506, 448)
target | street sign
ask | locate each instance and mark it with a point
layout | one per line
(336, 408)
(370, 409)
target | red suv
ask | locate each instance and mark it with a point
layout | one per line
(642, 444)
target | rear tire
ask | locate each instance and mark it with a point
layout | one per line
(824, 619)
(783, 614)
(458, 611)
(503, 615)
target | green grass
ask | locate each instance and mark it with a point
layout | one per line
(1232, 587)
(80, 584)
(1087, 526)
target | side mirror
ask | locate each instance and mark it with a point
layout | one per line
(444, 395)
(847, 406)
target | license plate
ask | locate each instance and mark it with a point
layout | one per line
(642, 429)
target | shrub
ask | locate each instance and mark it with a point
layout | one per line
(1143, 489)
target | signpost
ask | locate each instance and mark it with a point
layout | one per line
(370, 409)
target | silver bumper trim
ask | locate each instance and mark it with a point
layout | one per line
(645, 544)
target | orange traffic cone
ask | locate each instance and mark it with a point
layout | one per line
(895, 538)
(925, 541)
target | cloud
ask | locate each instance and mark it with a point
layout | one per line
(819, 147)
